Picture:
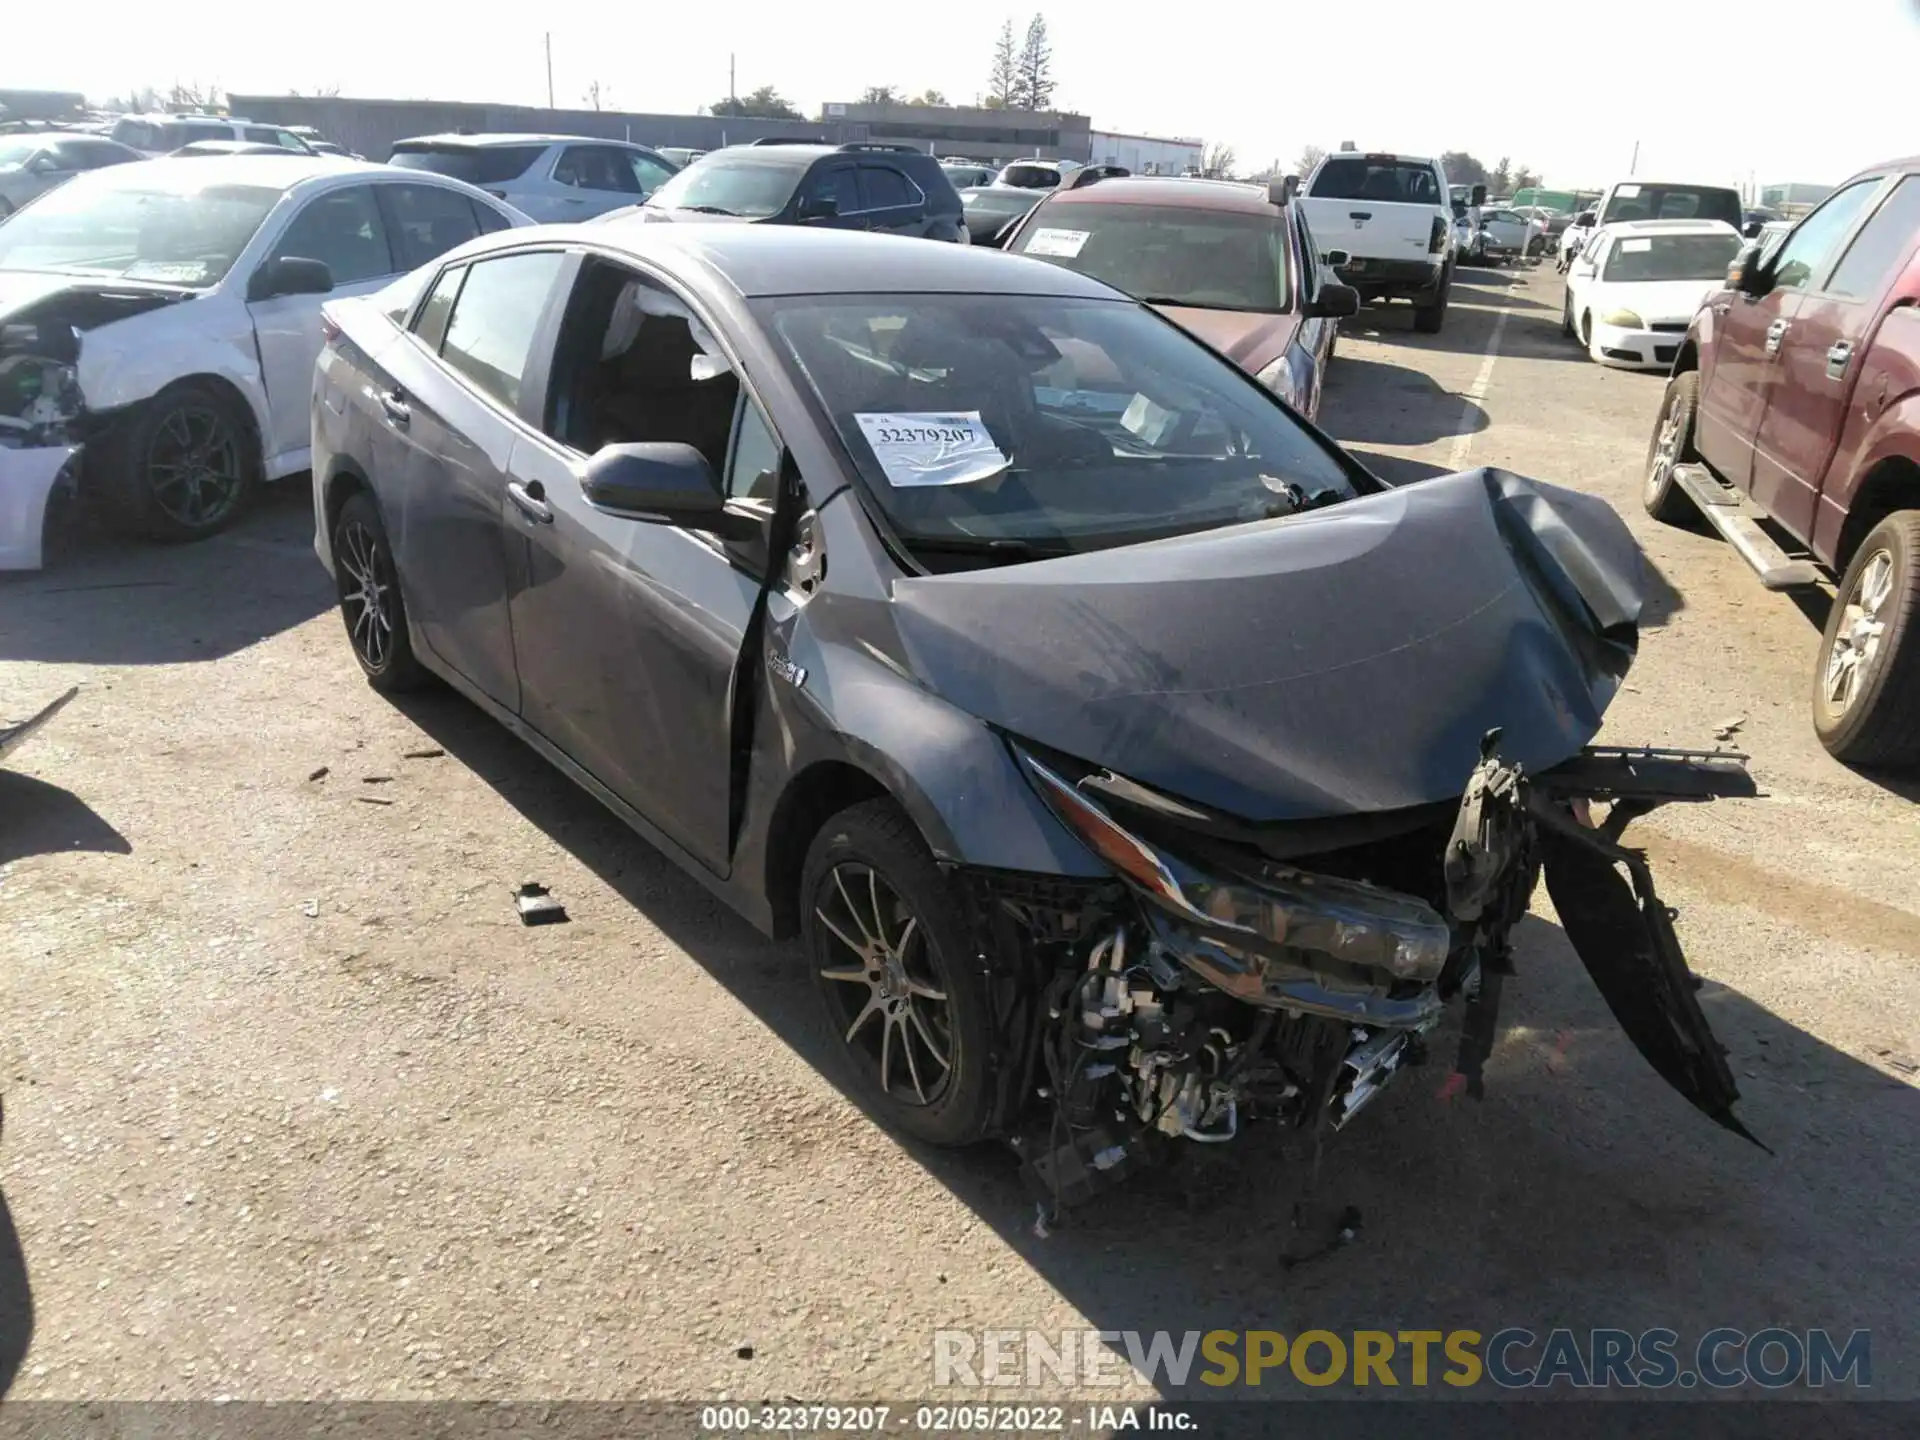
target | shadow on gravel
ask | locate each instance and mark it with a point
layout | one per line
(1581, 1191)
(1372, 402)
(16, 1297)
(111, 602)
(41, 819)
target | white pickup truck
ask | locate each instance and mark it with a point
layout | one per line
(1391, 214)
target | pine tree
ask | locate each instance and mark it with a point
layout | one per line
(1005, 76)
(1034, 85)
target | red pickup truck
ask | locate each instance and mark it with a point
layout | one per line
(1795, 400)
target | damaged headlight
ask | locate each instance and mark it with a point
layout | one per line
(39, 384)
(1359, 924)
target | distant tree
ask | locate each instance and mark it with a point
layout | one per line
(1523, 177)
(1310, 156)
(1500, 178)
(879, 95)
(929, 97)
(1462, 168)
(1217, 161)
(1034, 87)
(596, 93)
(193, 97)
(765, 103)
(1003, 80)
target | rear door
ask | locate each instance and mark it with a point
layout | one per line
(1821, 355)
(1749, 331)
(591, 180)
(453, 413)
(891, 200)
(344, 230)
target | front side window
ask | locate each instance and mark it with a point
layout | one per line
(342, 229)
(753, 470)
(1015, 426)
(840, 184)
(1166, 255)
(648, 173)
(595, 167)
(1814, 240)
(428, 221)
(99, 224)
(1669, 257)
(731, 186)
(1883, 242)
(489, 338)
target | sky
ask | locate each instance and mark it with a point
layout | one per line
(1710, 90)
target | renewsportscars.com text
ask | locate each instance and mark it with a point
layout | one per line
(1513, 1358)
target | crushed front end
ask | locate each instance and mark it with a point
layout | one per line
(1234, 972)
(40, 414)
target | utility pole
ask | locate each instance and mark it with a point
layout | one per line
(1633, 165)
(549, 69)
(732, 94)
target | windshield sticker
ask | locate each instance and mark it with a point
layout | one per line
(1634, 247)
(183, 272)
(1064, 243)
(925, 448)
(1625, 192)
(1150, 422)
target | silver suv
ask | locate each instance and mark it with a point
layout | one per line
(552, 178)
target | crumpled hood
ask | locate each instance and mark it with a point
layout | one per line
(1343, 661)
(88, 301)
(1251, 341)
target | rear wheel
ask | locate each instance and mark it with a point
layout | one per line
(1866, 694)
(1566, 315)
(1427, 319)
(888, 947)
(371, 605)
(1671, 446)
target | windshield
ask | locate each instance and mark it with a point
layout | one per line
(475, 164)
(15, 153)
(1671, 257)
(1376, 178)
(730, 187)
(97, 224)
(1210, 259)
(1028, 425)
(1672, 202)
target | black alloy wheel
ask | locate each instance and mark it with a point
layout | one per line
(886, 944)
(196, 467)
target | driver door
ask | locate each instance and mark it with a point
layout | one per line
(343, 230)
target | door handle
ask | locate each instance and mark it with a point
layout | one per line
(1838, 354)
(531, 501)
(396, 409)
(1776, 332)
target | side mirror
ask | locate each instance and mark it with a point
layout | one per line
(290, 275)
(1585, 220)
(1751, 230)
(1744, 273)
(819, 207)
(663, 482)
(1477, 195)
(1337, 258)
(1335, 301)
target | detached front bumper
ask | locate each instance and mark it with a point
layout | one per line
(28, 478)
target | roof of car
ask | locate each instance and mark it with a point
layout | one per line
(758, 260)
(278, 172)
(1170, 190)
(481, 142)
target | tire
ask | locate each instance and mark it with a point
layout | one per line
(1566, 315)
(1672, 445)
(1875, 722)
(1427, 319)
(371, 605)
(925, 1010)
(183, 468)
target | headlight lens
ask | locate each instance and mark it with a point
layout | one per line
(1624, 319)
(1359, 924)
(1279, 378)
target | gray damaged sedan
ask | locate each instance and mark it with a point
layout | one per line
(1131, 762)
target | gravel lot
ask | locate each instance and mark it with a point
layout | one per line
(295, 1107)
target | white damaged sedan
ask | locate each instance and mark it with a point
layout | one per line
(1634, 287)
(159, 324)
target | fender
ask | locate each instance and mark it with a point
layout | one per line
(135, 359)
(1872, 436)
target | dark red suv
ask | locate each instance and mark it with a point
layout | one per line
(1795, 407)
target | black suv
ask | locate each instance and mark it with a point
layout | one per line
(890, 189)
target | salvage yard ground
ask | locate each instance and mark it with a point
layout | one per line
(295, 1106)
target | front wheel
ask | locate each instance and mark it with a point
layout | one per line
(888, 947)
(1671, 446)
(183, 467)
(1866, 694)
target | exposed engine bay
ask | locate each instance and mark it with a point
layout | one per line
(1219, 986)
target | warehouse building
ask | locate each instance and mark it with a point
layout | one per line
(1147, 154)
